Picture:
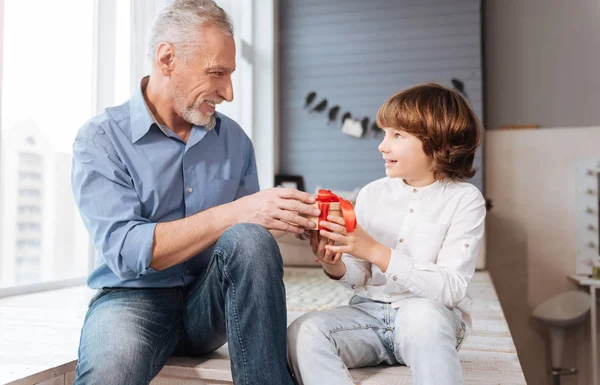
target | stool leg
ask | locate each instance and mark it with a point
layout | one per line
(557, 338)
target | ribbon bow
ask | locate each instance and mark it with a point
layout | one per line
(326, 197)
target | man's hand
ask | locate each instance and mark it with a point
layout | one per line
(277, 209)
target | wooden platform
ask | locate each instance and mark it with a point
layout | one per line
(39, 335)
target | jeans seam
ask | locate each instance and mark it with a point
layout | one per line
(235, 316)
(160, 340)
(349, 329)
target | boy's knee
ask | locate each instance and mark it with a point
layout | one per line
(422, 320)
(305, 330)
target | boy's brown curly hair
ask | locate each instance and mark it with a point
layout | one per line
(443, 120)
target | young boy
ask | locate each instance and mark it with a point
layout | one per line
(412, 256)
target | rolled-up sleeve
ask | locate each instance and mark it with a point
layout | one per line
(249, 180)
(109, 205)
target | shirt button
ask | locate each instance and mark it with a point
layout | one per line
(414, 190)
(190, 189)
(401, 240)
(187, 271)
(394, 278)
(411, 211)
(467, 245)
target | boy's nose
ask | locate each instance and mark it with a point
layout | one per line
(382, 148)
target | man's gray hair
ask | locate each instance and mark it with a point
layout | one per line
(179, 22)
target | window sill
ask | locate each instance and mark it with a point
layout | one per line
(40, 334)
(40, 287)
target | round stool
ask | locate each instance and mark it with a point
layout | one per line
(559, 313)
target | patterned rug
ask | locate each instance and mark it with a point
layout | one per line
(308, 289)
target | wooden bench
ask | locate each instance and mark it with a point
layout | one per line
(39, 334)
(488, 356)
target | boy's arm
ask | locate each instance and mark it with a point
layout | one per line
(445, 281)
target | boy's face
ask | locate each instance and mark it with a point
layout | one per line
(405, 158)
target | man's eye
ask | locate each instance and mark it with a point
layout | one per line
(219, 74)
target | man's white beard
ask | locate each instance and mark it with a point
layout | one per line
(193, 114)
(197, 118)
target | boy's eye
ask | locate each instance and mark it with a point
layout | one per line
(397, 136)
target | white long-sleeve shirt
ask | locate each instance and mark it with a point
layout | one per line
(434, 233)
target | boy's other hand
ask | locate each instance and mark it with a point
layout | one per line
(318, 244)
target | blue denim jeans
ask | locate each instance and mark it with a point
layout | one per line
(129, 334)
(421, 333)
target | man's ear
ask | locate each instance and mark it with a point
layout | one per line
(165, 57)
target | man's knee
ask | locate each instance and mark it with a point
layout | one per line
(249, 246)
(127, 362)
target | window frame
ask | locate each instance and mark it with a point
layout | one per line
(16, 290)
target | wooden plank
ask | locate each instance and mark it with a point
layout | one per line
(70, 378)
(44, 335)
(60, 380)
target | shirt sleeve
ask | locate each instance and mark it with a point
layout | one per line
(358, 271)
(249, 179)
(445, 281)
(109, 205)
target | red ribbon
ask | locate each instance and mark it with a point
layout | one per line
(325, 198)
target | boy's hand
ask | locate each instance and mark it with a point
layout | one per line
(318, 244)
(357, 243)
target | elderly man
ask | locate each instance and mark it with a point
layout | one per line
(168, 191)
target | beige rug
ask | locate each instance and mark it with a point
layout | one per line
(308, 289)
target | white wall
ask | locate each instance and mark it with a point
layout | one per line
(530, 178)
(542, 61)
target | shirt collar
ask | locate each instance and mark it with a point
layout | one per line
(419, 192)
(142, 118)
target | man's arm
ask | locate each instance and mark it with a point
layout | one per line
(132, 245)
(279, 210)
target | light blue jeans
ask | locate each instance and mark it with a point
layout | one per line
(129, 334)
(421, 334)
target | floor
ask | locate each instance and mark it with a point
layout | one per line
(39, 334)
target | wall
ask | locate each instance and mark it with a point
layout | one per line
(357, 54)
(529, 176)
(541, 62)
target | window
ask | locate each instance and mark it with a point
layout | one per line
(46, 86)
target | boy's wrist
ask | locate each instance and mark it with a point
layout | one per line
(336, 271)
(380, 256)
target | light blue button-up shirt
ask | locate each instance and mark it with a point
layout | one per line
(130, 174)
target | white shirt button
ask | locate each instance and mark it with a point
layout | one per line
(467, 245)
(190, 190)
(414, 190)
(394, 278)
(401, 240)
(411, 211)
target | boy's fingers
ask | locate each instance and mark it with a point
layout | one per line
(338, 249)
(336, 219)
(333, 236)
(333, 227)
